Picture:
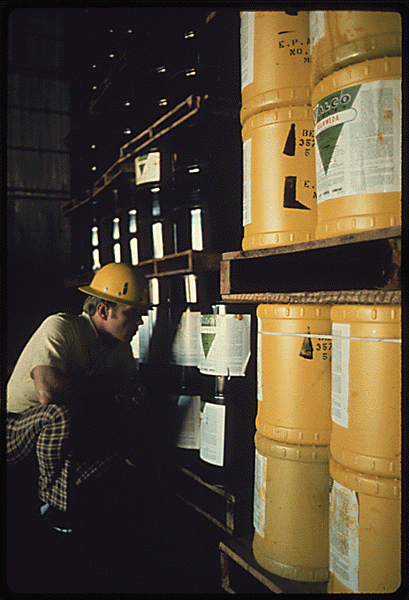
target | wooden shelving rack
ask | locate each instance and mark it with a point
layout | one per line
(358, 268)
(241, 573)
(181, 263)
(127, 153)
(226, 507)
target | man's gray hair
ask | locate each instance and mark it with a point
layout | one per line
(91, 303)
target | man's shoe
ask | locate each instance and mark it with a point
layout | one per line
(57, 519)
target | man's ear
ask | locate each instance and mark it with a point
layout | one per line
(102, 311)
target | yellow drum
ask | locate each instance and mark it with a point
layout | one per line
(275, 61)
(294, 373)
(279, 199)
(340, 38)
(291, 490)
(366, 388)
(364, 532)
(357, 116)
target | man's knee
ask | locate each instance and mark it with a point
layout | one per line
(57, 412)
(56, 418)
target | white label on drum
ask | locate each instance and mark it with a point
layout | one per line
(358, 140)
(247, 48)
(340, 374)
(344, 536)
(260, 484)
(247, 182)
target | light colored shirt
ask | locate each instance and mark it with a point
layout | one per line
(72, 345)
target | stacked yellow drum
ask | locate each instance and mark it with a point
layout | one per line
(279, 199)
(293, 425)
(321, 117)
(356, 71)
(365, 500)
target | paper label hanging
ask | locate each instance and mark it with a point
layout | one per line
(186, 343)
(212, 433)
(225, 344)
(189, 434)
(147, 168)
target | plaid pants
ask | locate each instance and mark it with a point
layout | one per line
(46, 431)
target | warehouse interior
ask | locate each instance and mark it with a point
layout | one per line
(203, 145)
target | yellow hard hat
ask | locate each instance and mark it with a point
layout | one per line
(120, 282)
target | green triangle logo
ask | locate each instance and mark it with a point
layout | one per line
(330, 114)
(207, 341)
(142, 167)
(208, 336)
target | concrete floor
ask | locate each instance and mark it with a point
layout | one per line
(131, 538)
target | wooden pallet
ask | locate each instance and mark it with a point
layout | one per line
(241, 573)
(362, 267)
(228, 509)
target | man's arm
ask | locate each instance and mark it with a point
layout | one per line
(51, 386)
(54, 387)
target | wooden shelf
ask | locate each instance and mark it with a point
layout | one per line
(182, 263)
(230, 510)
(363, 267)
(334, 297)
(190, 261)
(241, 573)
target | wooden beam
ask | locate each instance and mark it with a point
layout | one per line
(383, 296)
(350, 238)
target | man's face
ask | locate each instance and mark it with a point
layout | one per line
(124, 323)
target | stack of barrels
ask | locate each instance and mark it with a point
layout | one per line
(293, 427)
(279, 200)
(293, 421)
(153, 199)
(356, 71)
(365, 465)
(327, 474)
(186, 187)
(186, 182)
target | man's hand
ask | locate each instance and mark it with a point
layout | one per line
(133, 398)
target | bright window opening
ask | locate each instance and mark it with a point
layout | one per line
(196, 225)
(117, 253)
(133, 246)
(157, 236)
(95, 258)
(115, 229)
(133, 226)
(191, 288)
(94, 236)
(153, 285)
